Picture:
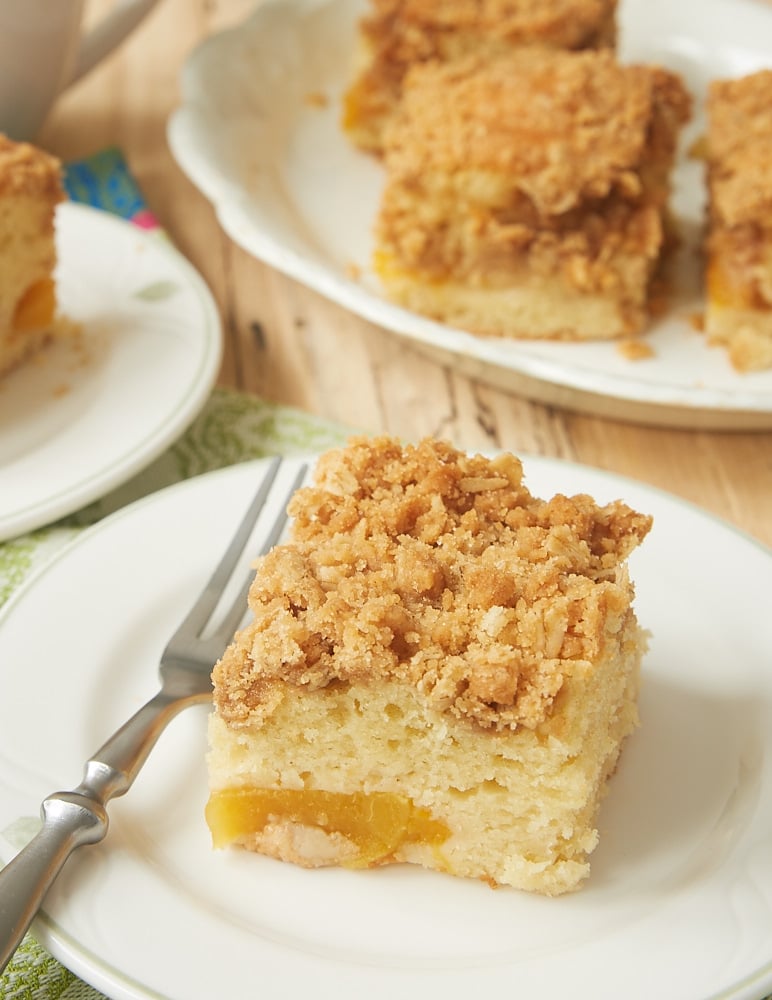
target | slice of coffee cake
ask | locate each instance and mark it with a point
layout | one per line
(30, 189)
(441, 670)
(398, 34)
(526, 196)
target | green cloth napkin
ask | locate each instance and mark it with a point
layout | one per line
(233, 427)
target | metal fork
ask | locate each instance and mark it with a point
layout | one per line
(72, 819)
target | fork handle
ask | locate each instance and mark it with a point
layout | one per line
(69, 820)
(72, 819)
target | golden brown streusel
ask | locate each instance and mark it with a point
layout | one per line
(26, 169)
(564, 128)
(437, 569)
(739, 240)
(740, 148)
(398, 34)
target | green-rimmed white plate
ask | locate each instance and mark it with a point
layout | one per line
(138, 362)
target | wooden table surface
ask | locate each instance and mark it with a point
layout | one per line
(313, 355)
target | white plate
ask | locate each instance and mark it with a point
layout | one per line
(679, 901)
(289, 188)
(87, 414)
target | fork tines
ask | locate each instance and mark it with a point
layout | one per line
(202, 611)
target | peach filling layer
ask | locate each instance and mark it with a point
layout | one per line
(36, 307)
(377, 823)
(729, 291)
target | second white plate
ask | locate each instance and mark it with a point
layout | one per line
(93, 409)
(290, 189)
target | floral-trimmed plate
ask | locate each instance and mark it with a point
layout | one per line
(136, 363)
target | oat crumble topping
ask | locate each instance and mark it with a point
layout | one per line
(438, 569)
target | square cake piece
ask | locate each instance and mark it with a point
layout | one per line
(397, 34)
(441, 670)
(527, 196)
(739, 242)
(30, 190)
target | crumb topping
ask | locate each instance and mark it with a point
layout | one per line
(397, 34)
(553, 162)
(25, 169)
(739, 158)
(564, 127)
(408, 30)
(438, 569)
(740, 148)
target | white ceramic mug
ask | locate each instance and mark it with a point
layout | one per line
(43, 49)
